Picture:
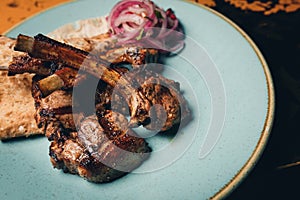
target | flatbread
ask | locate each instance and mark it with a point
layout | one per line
(16, 103)
(87, 28)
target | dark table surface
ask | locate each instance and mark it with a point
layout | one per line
(278, 37)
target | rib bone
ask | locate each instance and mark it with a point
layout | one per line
(47, 49)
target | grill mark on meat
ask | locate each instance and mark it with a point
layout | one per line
(85, 151)
(106, 48)
(53, 109)
(51, 42)
(94, 156)
(56, 111)
(100, 148)
(24, 63)
(64, 78)
(62, 53)
(106, 98)
(136, 56)
(167, 106)
(140, 105)
(97, 67)
(71, 56)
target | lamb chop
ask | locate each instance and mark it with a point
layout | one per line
(107, 49)
(163, 111)
(65, 77)
(53, 111)
(84, 147)
(45, 48)
(98, 147)
(99, 154)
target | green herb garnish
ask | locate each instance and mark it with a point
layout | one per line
(158, 14)
(139, 37)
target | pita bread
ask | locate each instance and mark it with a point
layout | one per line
(87, 28)
(16, 103)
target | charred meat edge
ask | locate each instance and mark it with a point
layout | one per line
(45, 48)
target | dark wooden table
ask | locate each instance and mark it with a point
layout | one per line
(277, 35)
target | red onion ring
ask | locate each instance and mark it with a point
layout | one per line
(131, 21)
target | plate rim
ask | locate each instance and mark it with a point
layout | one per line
(237, 179)
(265, 133)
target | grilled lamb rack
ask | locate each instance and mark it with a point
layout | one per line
(106, 48)
(54, 109)
(50, 50)
(80, 145)
(26, 64)
(97, 155)
(115, 55)
(57, 75)
(99, 147)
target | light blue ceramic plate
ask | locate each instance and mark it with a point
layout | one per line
(230, 92)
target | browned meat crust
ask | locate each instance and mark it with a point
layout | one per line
(81, 146)
(24, 63)
(99, 147)
(45, 48)
(97, 155)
